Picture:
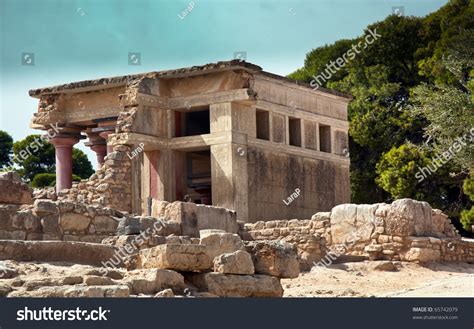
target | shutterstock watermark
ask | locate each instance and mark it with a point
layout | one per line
(338, 250)
(50, 314)
(333, 66)
(444, 157)
(127, 250)
(34, 146)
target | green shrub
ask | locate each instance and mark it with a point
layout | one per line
(43, 180)
(48, 179)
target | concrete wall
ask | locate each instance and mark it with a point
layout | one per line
(273, 177)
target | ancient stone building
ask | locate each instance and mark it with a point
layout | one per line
(227, 134)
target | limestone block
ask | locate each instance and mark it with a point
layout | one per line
(230, 285)
(57, 251)
(50, 225)
(5, 289)
(321, 216)
(105, 224)
(274, 258)
(180, 257)
(72, 222)
(422, 255)
(116, 291)
(45, 207)
(408, 217)
(129, 226)
(352, 224)
(219, 242)
(167, 293)
(13, 190)
(27, 221)
(383, 266)
(238, 262)
(373, 248)
(94, 280)
(193, 218)
(150, 281)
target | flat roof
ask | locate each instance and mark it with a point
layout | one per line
(118, 81)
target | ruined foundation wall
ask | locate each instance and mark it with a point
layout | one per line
(405, 230)
(57, 220)
(310, 237)
(110, 186)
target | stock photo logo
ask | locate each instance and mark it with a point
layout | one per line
(28, 59)
(134, 58)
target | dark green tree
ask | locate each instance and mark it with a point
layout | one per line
(6, 144)
(386, 139)
(34, 155)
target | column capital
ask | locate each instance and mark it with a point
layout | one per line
(64, 140)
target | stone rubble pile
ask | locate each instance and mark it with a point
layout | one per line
(110, 186)
(193, 250)
(167, 270)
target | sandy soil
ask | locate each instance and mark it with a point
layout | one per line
(361, 280)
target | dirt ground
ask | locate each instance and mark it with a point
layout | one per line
(360, 279)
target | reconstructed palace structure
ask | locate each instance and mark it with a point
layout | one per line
(226, 134)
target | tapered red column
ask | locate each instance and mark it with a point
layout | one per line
(105, 135)
(98, 145)
(63, 146)
(100, 151)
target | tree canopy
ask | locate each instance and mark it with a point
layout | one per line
(6, 144)
(412, 99)
(34, 155)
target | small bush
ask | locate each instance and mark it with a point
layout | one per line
(48, 179)
(43, 180)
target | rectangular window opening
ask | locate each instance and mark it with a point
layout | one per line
(294, 126)
(263, 125)
(324, 138)
(192, 123)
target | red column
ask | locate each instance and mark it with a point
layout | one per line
(100, 151)
(63, 146)
(105, 135)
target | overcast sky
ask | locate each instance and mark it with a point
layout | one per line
(75, 40)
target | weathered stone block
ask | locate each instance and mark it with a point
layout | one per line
(274, 258)
(408, 217)
(238, 262)
(72, 222)
(153, 280)
(13, 190)
(45, 207)
(422, 255)
(180, 257)
(57, 251)
(353, 224)
(229, 285)
(105, 224)
(219, 242)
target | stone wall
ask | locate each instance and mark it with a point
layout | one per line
(13, 190)
(57, 220)
(110, 186)
(406, 230)
(310, 237)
